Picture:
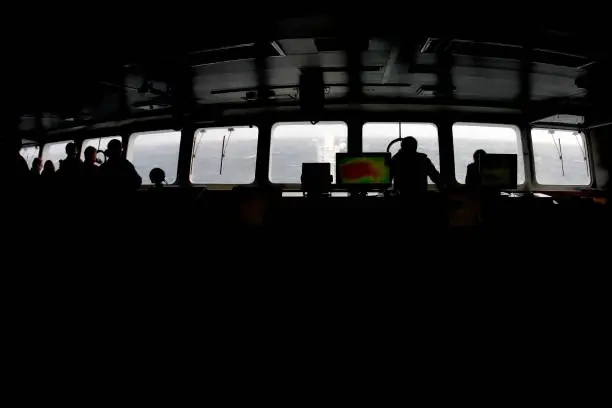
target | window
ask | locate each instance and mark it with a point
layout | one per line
(29, 154)
(376, 137)
(224, 155)
(55, 152)
(100, 143)
(560, 157)
(148, 150)
(501, 139)
(295, 143)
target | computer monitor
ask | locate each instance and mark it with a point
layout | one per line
(316, 177)
(366, 171)
(498, 171)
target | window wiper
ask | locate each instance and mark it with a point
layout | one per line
(583, 150)
(199, 138)
(559, 149)
(224, 144)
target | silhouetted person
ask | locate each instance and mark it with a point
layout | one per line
(410, 170)
(91, 170)
(13, 166)
(157, 177)
(89, 156)
(71, 167)
(35, 172)
(71, 156)
(47, 176)
(473, 178)
(117, 172)
(36, 167)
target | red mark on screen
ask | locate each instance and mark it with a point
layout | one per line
(358, 170)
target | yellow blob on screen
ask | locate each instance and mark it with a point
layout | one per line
(364, 170)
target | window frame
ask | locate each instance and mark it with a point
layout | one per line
(222, 186)
(44, 151)
(31, 146)
(562, 187)
(298, 186)
(128, 153)
(82, 146)
(519, 143)
(431, 186)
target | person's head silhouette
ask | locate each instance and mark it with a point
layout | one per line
(114, 149)
(49, 167)
(478, 155)
(409, 145)
(36, 165)
(90, 155)
(157, 176)
(71, 150)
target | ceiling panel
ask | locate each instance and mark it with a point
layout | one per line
(298, 46)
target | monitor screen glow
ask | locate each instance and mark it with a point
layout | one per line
(363, 169)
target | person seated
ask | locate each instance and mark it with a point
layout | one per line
(473, 178)
(117, 173)
(157, 177)
(410, 170)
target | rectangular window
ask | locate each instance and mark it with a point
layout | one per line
(560, 157)
(294, 143)
(29, 154)
(377, 136)
(100, 143)
(499, 139)
(55, 152)
(148, 150)
(224, 155)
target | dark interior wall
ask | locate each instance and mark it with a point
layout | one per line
(601, 148)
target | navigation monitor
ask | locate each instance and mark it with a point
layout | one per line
(365, 170)
(498, 171)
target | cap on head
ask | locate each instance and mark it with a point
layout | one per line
(409, 144)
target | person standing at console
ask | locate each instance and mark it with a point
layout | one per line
(410, 170)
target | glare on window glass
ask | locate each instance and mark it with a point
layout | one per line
(302, 142)
(376, 137)
(55, 152)
(100, 143)
(29, 154)
(500, 139)
(224, 155)
(560, 157)
(148, 150)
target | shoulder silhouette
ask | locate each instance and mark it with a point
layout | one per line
(410, 169)
(117, 172)
(473, 177)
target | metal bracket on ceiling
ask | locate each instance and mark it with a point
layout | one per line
(277, 47)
